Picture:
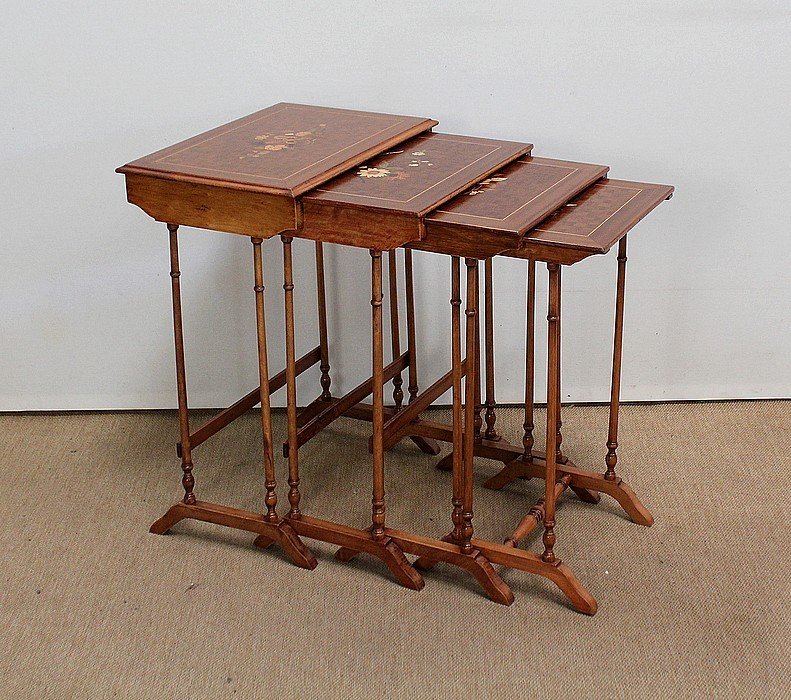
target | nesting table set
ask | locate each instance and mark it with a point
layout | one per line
(385, 182)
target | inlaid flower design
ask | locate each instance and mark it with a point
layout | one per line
(273, 142)
(373, 172)
(486, 184)
(391, 167)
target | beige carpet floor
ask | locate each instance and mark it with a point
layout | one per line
(92, 606)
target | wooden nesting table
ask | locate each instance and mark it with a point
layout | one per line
(382, 182)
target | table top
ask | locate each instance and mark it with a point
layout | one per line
(285, 149)
(516, 198)
(418, 175)
(594, 221)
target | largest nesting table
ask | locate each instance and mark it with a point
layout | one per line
(382, 182)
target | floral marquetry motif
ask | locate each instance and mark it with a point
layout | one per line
(274, 142)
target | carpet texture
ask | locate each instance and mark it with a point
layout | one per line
(92, 606)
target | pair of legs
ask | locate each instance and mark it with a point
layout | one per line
(586, 484)
(267, 524)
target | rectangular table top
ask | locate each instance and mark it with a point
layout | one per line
(592, 222)
(516, 198)
(496, 212)
(382, 202)
(285, 149)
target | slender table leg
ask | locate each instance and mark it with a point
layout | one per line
(269, 528)
(395, 333)
(638, 512)
(378, 500)
(552, 410)
(478, 417)
(324, 366)
(187, 479)
(559, 458)
(466, 556)
(530, 363)
(457, 499)
(410, 325)
(491, 403)
(471, 386)
(390, 552)
(291, 380)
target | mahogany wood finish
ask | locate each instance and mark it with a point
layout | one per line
(243, 177)
(266, 525)
(395, 331)
(526, 191)
(286, 170)
(615, 386)
(592, 222)
(324, 367)
(488, 293)
(381, 205)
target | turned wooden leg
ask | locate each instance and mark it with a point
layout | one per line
(471, 385)
(552, 411)
(386, 549)
(463, 554)
(395, 334)
(263, 372)
(559, 458)
(478, 414)
(324, 366)
(412, 387)
(291, 380)
(491, 403)
(458, 477)
(187, 479)
(378, 499)
(615, 386)
(530, 363)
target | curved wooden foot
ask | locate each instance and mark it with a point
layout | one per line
(430, 552)
(586, 484)
(426, 445)
(484, 573)
(556, 572)
(175, 514)
(628, 500)
(394, 559)
(268, 532)
(566, 581)
(295, 548)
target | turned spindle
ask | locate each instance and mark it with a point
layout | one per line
(187, 478)
(559, 458)
(470, 401)
(458, 479)
(321, 298)
(412, 388)
(535, 515)
(530, 350)
(263, 374)
(478, 358)
(615, 386)
(378, 499)
(395, 333)
(490, 417)
(291, 380)
(552, 411)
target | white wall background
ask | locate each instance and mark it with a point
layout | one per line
(692, 93)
